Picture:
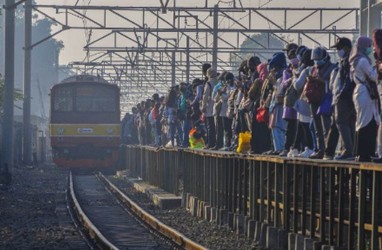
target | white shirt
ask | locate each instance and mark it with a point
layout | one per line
(365, 107)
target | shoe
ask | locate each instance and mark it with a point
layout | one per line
(362, 159)
(306, 153)
(343, 157)
(224, 149)
(293, 152)
(376, 160)
(276, 152)
(284, 153)
(327, 157)
(317, 155)
(269, 152)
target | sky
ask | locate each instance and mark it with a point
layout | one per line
(75, 40)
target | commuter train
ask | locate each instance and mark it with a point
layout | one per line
(85, 123)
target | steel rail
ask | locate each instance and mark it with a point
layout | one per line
(165, 230)
(94, 233)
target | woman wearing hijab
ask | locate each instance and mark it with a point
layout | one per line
(366, 99)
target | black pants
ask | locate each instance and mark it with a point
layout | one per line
(219, 131)
(261, 137)
(345, 116)
(332, 139)
(303, 136)
(291, 130)
(211, 133)
(321, 125)
(365, 141)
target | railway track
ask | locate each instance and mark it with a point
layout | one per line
(113, 221)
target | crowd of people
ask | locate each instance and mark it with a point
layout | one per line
(299, 103)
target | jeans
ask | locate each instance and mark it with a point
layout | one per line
(227, 125)
(186, 127)
(278, 135)
(172, 130)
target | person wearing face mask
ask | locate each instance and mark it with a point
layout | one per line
(366, 99)
(322, 69)
(344, 112)
(303, 140)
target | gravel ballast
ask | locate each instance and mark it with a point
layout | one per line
(33, 214)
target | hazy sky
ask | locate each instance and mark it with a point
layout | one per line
(75, 40)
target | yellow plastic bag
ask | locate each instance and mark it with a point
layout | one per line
(244, 142)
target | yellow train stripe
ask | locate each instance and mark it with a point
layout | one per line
(62, 130)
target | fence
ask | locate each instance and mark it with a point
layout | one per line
(325, 201)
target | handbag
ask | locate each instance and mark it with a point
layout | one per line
(325, 107)
(262, 115)
(291, 96)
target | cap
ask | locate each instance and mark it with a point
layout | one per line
(278, 61)
(301, 49)
(255, 60)
(290, 46)
(319, 53)
(342, 42)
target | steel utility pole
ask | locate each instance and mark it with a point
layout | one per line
(173, 68)
(215, 38)
(27, 135)
(9, 69)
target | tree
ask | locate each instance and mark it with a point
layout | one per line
(44, 59)
(16, 96)
(257, 41)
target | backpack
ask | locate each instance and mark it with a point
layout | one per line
(314, 88)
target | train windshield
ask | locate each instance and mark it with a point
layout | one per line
(101, 99)
(64, 99)
(85, 98)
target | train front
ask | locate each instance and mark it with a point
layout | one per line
(85, 123)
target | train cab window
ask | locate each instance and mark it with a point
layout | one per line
(63, 100)
(95, 99)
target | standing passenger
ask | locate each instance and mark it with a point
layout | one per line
(207, 107)
(366, 99)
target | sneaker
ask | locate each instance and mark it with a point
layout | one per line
(284, 153)
(269, 152)
(317, 155)
(306, 153)
(327, 157)
(293, 152)
(343, 157)
(376, 160)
